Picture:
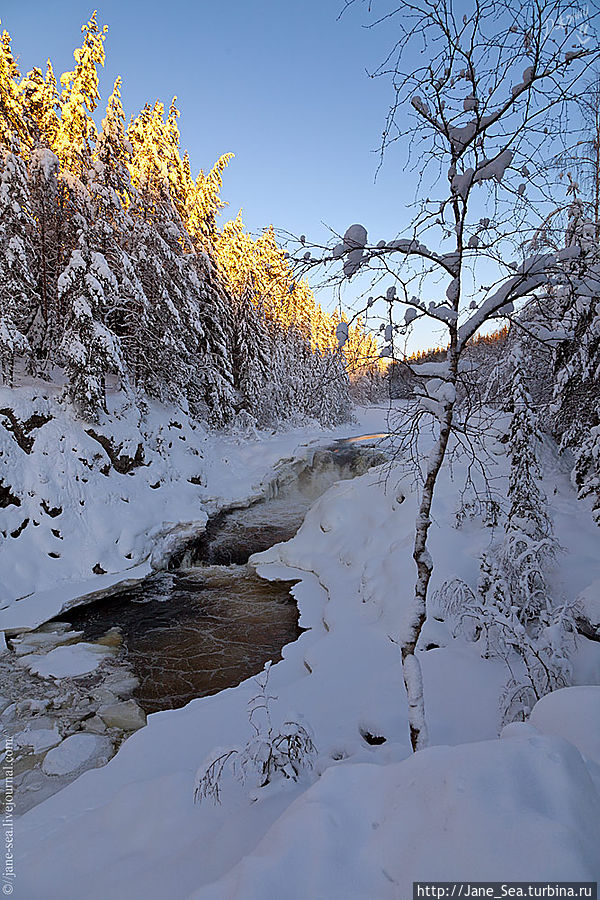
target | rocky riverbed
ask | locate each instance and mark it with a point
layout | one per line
(75, 688)
(65, 706)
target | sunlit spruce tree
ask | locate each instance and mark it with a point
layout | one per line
(115, 271)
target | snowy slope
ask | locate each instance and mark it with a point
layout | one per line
(368, 818)
(521, 809)
(88, 506)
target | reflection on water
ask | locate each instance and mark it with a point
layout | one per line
(363, 438)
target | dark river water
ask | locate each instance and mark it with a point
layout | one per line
(212, 622)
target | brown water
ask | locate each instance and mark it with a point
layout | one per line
(196, 632)
(199, 629)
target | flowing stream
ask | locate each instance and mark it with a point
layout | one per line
(212, 622)
(72, 690)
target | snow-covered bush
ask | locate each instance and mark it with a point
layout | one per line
(512, 613)
(270, 754)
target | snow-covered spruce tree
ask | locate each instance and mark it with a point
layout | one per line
(109, 183)
(478, 108)
(213, 379)
(89, 349)
(14, 127)
(575, 412)
(522, 615)
(528, 545)
(48, 244)
(61, 157)
(38, 95)
(327, 389)
(77, 131)
(249, 341)
(19, 299)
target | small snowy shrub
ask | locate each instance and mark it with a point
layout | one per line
(536, 649)
(269, 755)
(456, 600)
(473, 505)
(545, 650)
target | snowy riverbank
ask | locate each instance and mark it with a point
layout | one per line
(369, 817)
(87, 507)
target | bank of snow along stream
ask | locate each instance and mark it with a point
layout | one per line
(369, 817)
(76, 687)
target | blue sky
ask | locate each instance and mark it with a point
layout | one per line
(281, 84)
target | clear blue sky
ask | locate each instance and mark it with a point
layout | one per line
(283, 84)
(280, 83)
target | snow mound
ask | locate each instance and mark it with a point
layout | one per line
(574, 714)
(62, 662)
(39, 739)
(74, 753)
(472, 812)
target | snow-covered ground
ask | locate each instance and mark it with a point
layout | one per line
(369, 817)
(87, 507)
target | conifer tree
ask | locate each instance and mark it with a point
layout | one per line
(13, 127)
(250, 355)
(89, 348)
(112, 154)
(575, 411)
(203, 203)
(19, 300)
(40, 101)
(79, 98)
(47, 243)
(528, 545)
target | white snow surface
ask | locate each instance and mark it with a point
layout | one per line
(368, 819)
(73, 504)
(471, 812)
(72, 660)
(74, 752)
(574, 714)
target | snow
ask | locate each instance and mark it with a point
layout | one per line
(72, 660)
(368, 819)
(532, 273)
(494, 168)
(461, 135)
(38, 739)
(74, 752)
(46, 160)
(352, 262)
(572, 713)
(461, 183)
(370, 831)
(341, 333)
(355, 236)
(589, 604)
(39, 606)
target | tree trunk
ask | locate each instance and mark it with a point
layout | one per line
(411, 668)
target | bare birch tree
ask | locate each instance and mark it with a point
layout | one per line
(481, 101)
